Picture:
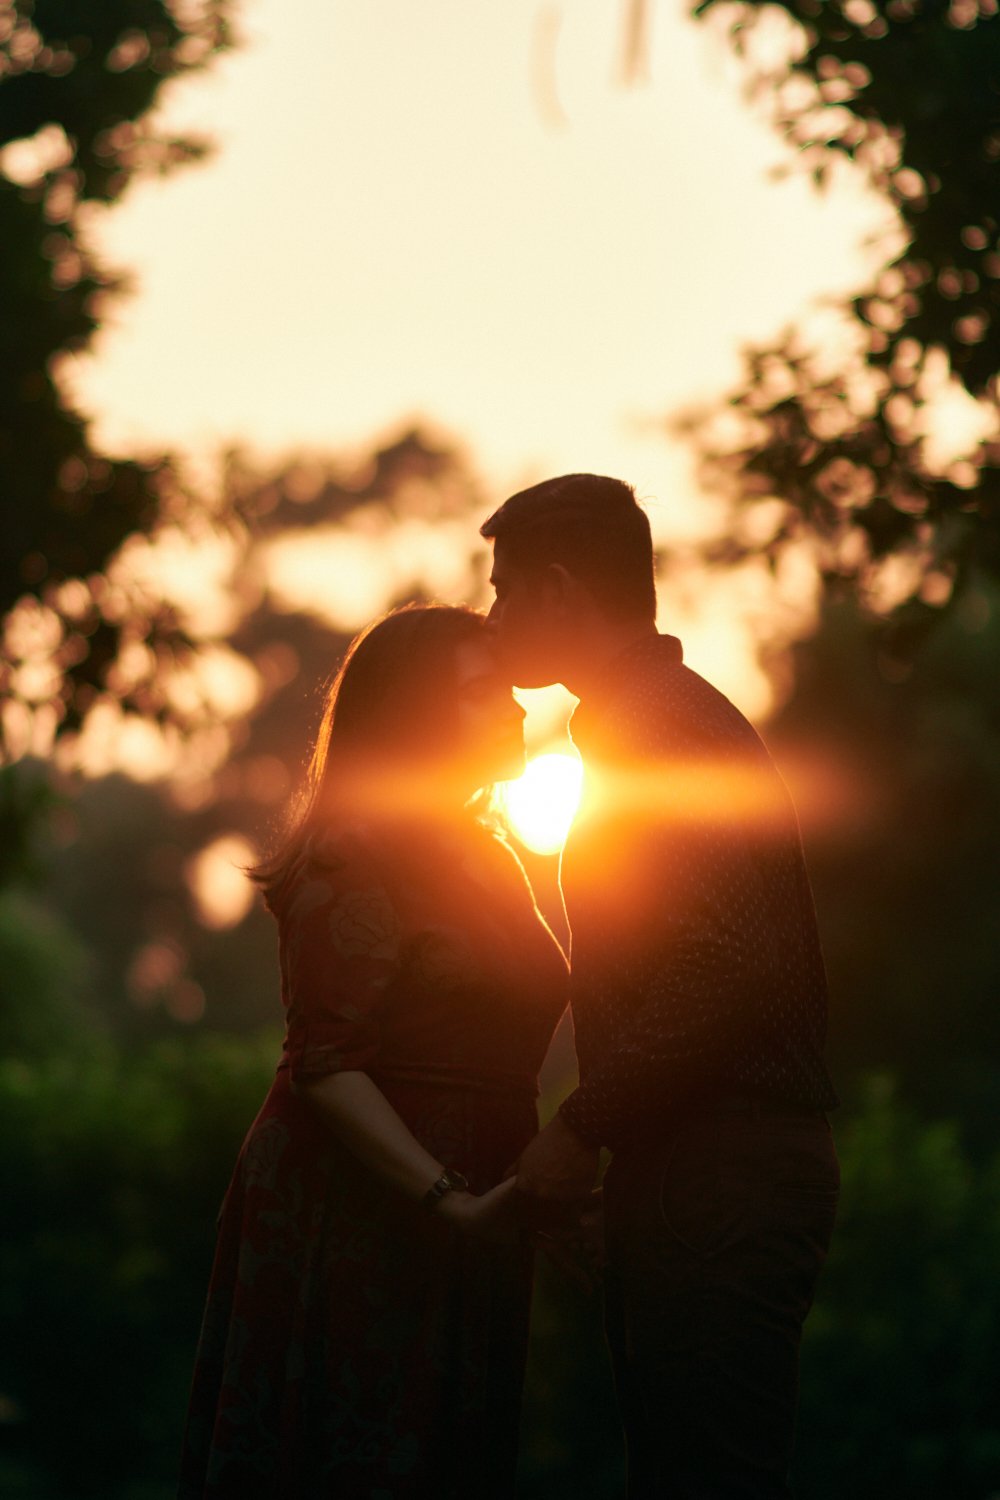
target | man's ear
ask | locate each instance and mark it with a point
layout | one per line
(563, 591)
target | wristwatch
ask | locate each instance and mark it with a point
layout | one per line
(448, 1182)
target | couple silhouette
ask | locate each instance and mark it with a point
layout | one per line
(365, 1332)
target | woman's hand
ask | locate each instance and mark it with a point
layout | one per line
(489, 1217)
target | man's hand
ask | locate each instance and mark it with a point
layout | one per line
(555, 1172)
(490, 1218)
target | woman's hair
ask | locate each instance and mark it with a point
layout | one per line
(388, 715)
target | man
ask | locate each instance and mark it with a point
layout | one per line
(699, 1002)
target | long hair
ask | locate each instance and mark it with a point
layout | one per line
(389, 716)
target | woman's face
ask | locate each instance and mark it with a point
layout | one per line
(490, 722)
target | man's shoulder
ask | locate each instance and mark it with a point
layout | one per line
(664, 696)
(656, 705)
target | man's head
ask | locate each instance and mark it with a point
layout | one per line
(572, 558)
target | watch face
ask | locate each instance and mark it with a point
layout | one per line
(449, 1181)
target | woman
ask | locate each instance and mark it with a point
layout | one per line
(365, 1332)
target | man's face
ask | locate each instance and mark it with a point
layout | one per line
(526, 623)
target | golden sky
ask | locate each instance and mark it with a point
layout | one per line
(396, 222)
(452, 210)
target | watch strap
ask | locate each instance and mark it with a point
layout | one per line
(448, 1182)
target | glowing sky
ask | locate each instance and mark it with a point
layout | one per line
(396, 222)
(451, 209)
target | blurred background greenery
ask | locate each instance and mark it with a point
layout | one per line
(149, 745)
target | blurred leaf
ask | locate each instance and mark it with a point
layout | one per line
(909, 92)
(78, 83)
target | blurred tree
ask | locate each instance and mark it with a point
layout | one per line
(77, 84)
(899, 1387)
(110, 1200)
(45, 982)
(161, 954)
(904, 869)
(854, 450)
(26, 797)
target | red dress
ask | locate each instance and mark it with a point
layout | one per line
(354, 1345)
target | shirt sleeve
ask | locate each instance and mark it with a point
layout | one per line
(340, 936)
(690, 1005)
(690, 984)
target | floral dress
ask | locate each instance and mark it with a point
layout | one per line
(353, 1344)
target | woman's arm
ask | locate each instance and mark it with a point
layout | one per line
(356, 1111)
(361, 1117)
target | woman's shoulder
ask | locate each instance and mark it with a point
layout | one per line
(337, 895)
(329, 860)
(339, 847)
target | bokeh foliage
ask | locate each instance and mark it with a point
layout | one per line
(78, 82)
(109, 1204)
(831, 452)
(898, 1392)
(904, 867)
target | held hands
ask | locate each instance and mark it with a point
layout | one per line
(490, 1218)
(550, 1194)
(575, 1245)
(558, 1201)
(557, 1170)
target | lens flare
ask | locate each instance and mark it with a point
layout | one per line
(542, 803)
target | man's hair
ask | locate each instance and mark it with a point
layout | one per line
(594, 528)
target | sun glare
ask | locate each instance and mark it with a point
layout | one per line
(541, 804)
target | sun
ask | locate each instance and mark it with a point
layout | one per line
(541, 804)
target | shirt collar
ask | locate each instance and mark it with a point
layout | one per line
(639, 662)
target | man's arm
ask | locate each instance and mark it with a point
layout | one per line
(701, 915)
(689, 1010)
(683, 1017)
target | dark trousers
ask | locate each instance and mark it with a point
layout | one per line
(715, 1240)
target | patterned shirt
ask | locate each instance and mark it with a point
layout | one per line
(696, 964)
